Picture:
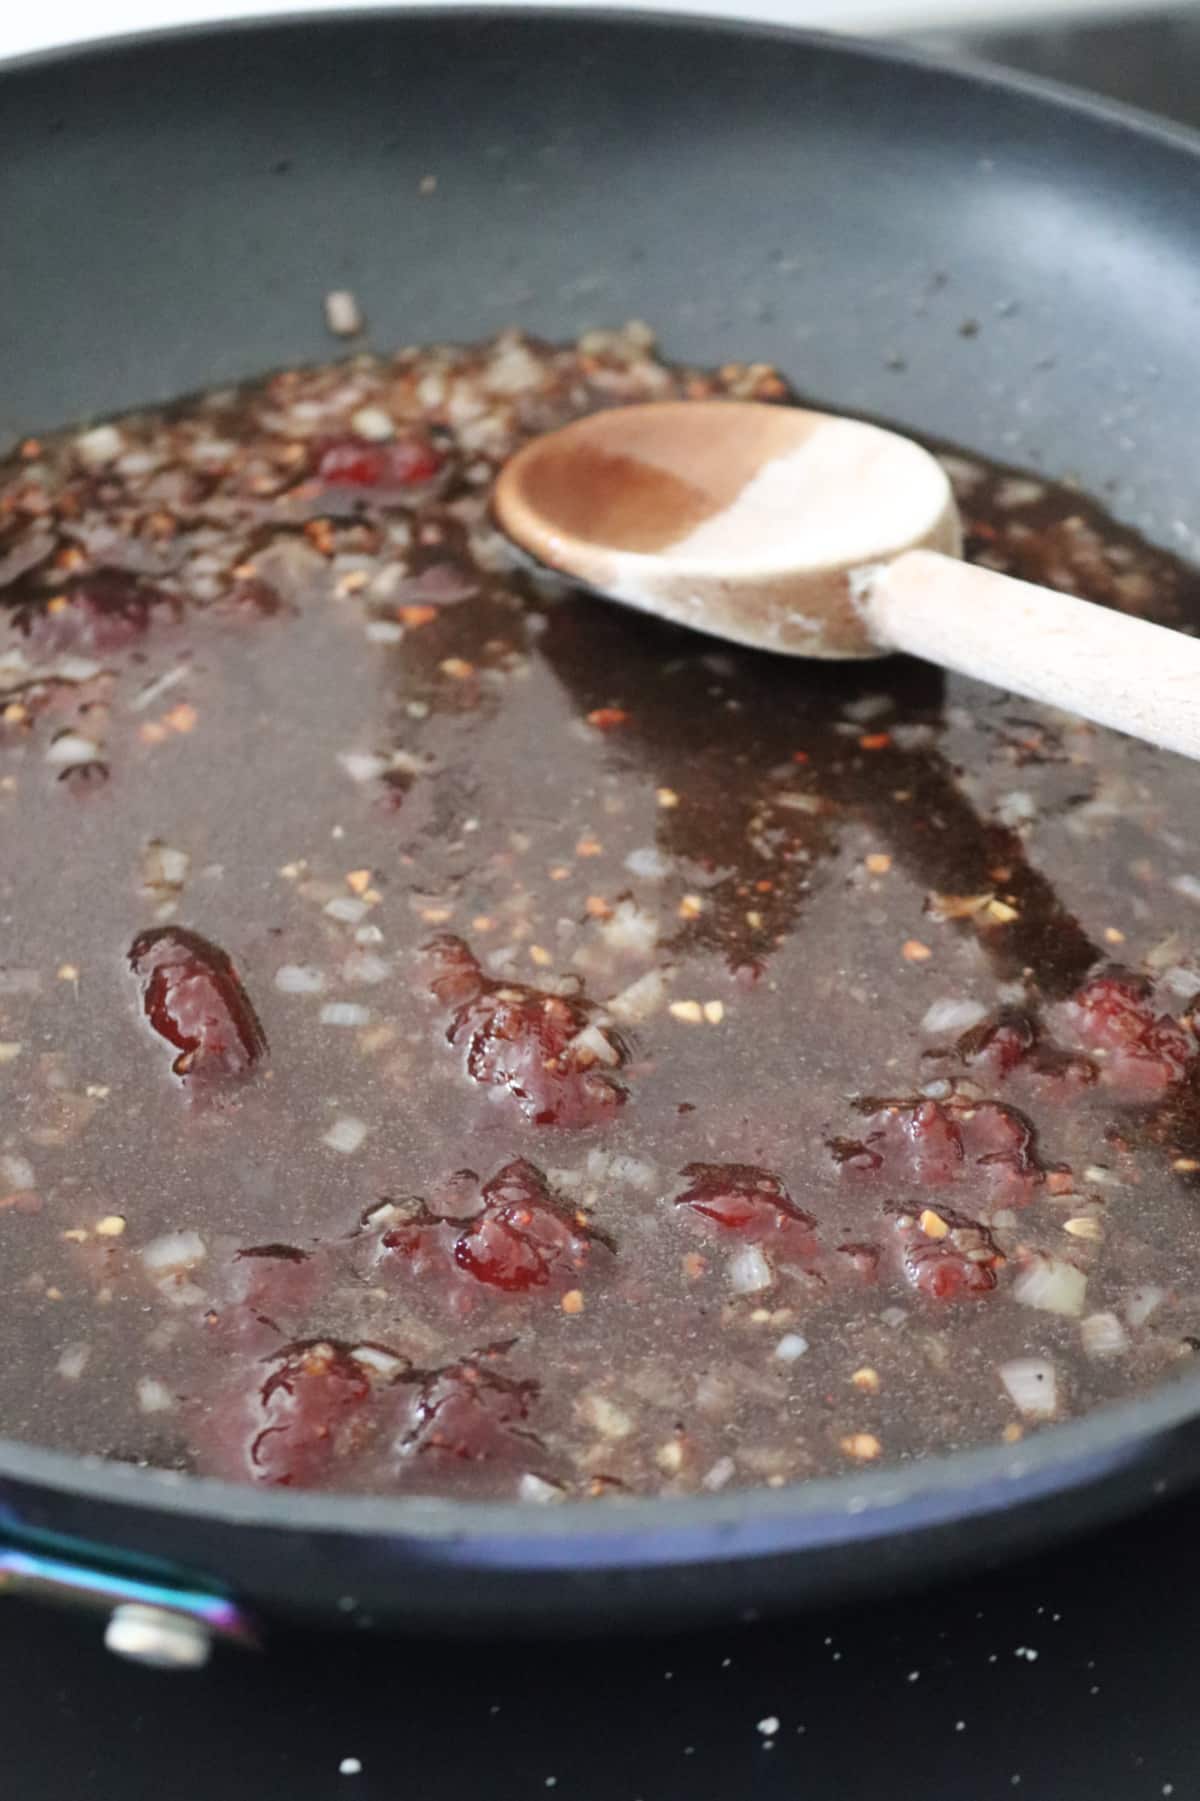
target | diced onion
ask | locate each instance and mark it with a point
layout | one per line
(345, 1013)
(164, 868)
(343, 315)
(77, 669)
(631, 928)
(955, 1016)
(1181, 980)
(362, 765)
(1103, 1335)
(73, 1361)
(512, 369)
(749, 1271)
(16, 1172)
(373, 423)
(1145, 1300)
(346, 909)
(790, 1347)
(868, 707)
(722, 1471)
(154, 1397)
(641, 999)
(374, 1357)
(174, 1251)
(1018, 491)
(1053, 1285)
(71, 749)
(649, 863)
(299, 978)
(103, 444)
(536, 1489)
(1016, 808)
(605, 1417)
(345, 1135)
(1032, 1384)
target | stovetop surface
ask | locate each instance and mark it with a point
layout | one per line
(1068, 1678)
(1072, 1675)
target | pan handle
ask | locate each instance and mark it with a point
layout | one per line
(158, 1624)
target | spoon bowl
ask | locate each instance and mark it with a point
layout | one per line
(815, 536)
(746, 520)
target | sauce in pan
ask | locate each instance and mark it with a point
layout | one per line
(458, 1036)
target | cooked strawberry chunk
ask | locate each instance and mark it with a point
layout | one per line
(925, 1144)
(193, 998)
(1142, 1051)
(519, 1236)
(741, 1198)
(405, 462)
(307, 1414)
(521, 1040)
(526, 1042)
(523, 1236)
(99, 615)
(468, 1412)
(946, 1256)
(751, 1204)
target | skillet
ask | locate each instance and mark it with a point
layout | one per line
(979, 258)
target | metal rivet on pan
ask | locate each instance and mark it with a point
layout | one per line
(158, 1638)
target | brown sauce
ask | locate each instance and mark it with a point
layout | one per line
(443, 1018)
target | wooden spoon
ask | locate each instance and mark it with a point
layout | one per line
(815, 536)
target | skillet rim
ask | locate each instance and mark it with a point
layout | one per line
(1113, 1437)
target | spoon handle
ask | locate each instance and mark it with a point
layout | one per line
(1140, 678)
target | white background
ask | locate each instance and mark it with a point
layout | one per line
(26, 27)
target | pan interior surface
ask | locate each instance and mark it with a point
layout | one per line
(971, 258)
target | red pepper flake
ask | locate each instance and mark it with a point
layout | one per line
(801, 756)
(416, 616)
(875, 741)
(606, 719)
(913, 951)
(182, 718)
